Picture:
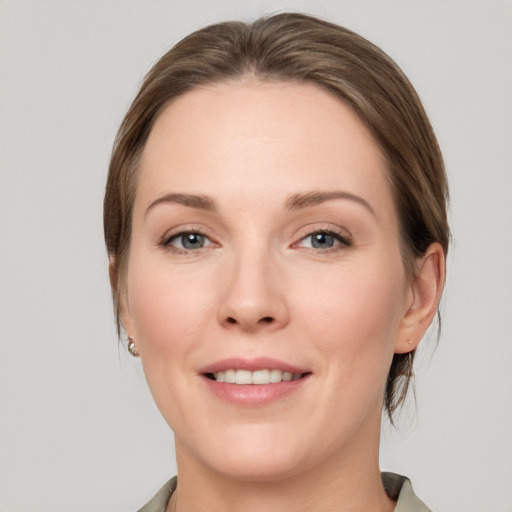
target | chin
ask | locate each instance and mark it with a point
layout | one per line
(261, 455)
(258, 469)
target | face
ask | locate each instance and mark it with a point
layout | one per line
(265, 248)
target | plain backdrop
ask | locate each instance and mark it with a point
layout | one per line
(78, 428)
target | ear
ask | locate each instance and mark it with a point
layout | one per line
(118, 292)
(423, 298)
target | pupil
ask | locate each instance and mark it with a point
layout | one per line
(322, 240)
(192, 241)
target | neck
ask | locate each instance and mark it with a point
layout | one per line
(348, 481)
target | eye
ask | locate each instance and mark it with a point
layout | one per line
(323, 240)
(188, 241)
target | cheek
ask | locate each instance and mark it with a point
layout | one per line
(169, 308)
(171, 315)
(352, 320)
(354, 315)
(356, 302)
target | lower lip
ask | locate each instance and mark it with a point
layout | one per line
(254, 394)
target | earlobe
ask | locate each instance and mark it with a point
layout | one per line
(426, 289)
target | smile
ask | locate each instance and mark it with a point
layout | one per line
(265, 376)
(254, 382)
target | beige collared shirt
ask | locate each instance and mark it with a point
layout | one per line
(397, 487)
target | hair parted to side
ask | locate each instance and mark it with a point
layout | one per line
(298, 48)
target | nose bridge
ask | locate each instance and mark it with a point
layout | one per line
(253, 296)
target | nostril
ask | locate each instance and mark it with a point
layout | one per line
(266, 320)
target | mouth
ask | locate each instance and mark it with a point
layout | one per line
(256, 377)
(254, 382)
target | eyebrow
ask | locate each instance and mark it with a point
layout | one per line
(192, 201)
(298, 201)
(295, 202)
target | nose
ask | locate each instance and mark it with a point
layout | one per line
(254, 294)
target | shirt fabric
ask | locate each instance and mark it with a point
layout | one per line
(397, 487)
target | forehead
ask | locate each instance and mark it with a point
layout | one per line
(256, 140)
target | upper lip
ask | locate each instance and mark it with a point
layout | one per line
(259, 363)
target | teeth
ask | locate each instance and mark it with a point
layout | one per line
(275, 375)
(243, 377)
(261, 377)
(257, 377)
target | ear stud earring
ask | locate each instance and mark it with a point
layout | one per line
(409, 341)
(132, 348)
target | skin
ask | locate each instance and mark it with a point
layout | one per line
(258, 287)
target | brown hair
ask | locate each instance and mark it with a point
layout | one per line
(300, 48)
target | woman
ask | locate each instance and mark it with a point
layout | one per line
(275, 220)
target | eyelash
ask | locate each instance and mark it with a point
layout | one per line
(167, 240)
(343, 240)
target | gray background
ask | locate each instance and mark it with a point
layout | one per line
(78, 428)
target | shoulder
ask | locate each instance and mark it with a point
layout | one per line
(161, 498)
(399, 488)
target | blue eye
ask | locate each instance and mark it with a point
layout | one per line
(189, 241)
(324, 240)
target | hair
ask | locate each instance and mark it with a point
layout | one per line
(295, 48)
